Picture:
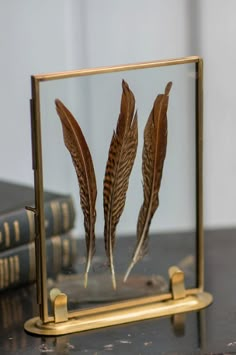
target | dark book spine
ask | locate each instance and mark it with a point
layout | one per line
(17, 265)
(18, 227)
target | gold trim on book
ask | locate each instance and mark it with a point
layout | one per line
(6, 272)
(55, 207)
(7, 234)
(17, 267)
(66, 252)
(55, 261)
(17, 230)
(12, 269)
(66, 215)
(1, 238)
(165, 304)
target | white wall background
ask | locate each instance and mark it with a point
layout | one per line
(217, 30)
(38, 37)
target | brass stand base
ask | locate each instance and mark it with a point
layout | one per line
(120, 313)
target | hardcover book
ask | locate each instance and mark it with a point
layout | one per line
(18, 266)
(17, 225)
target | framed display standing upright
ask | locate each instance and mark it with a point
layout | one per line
(126, 143)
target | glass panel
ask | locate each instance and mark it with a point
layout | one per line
(95, 102)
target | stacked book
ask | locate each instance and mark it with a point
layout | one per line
(17, 234)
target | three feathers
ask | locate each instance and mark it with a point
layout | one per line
(121, 157)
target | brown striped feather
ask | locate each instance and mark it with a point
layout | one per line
(76, 144)
(154, 152)
(120, 161)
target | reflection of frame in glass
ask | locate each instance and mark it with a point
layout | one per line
(179, 300)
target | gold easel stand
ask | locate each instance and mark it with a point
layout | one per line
(178, 301)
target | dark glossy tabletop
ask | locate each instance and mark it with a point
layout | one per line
(210, 331)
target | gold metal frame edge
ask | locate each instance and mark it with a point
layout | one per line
(37, 166)
(115, 68)
(104, 318)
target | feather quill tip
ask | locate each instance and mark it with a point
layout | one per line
(113, 278)
(128, 271)
(85, 280)
(87, 272)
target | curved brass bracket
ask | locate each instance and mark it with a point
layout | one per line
(177, 283)
(59, 305)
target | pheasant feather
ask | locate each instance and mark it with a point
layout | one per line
(76, 144)
(120, 161)
(154, 152)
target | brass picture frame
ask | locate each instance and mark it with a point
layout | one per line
(179, 299)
